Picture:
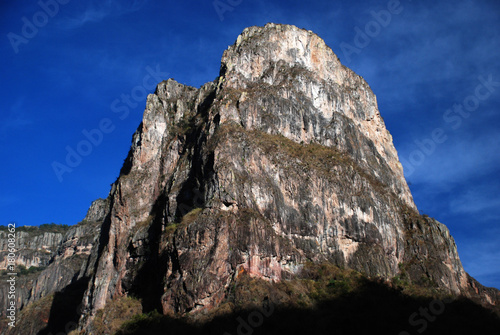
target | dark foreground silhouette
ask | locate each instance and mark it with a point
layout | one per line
(369, 308)
(324, 300)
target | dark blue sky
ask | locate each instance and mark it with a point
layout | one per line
(434, 66)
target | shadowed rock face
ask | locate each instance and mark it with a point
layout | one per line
(283, 159)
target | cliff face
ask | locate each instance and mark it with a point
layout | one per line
(284, 159)
(62, 257)
(36, 247)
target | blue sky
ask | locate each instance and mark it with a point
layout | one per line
(83, 65)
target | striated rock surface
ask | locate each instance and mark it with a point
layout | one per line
(35, 246)
(66, 267)
(283, 160)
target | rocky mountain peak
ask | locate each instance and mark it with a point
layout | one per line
(296, 64)
(282, 161)
(259, 49)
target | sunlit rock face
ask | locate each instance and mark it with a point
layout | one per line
(283, 159)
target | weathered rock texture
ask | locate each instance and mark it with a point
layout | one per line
(35, 247)
(68, 264)
(283, 159)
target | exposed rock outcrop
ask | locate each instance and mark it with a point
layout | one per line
(68, 262)
(35, 247)
(284, 159)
